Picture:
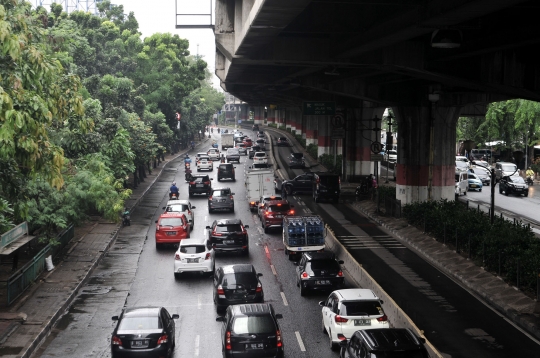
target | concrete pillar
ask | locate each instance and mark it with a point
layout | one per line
(287, 119)
(324, 132)
(311, 129)
(271, 116)
(244, 114)
(426, 158)
(258, 115)
(294, 120)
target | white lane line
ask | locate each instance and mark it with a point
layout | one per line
(300, 343)
(273, 270)
(285, 303)
(260, 230)
(199, 301)
(197, 338)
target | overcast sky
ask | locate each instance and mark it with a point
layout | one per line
(160, 16)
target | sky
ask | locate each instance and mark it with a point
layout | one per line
(160, 16)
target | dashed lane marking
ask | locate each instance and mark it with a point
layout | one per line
(199, 301)
(197, 339)
(285, 303)
(300, 343)
(273, 270)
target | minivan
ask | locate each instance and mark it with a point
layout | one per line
(326, 186)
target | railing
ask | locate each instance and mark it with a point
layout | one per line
(389, 205)
(24, 277)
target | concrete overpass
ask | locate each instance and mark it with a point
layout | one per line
(430, 60)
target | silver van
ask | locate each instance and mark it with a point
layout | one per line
(462, 183)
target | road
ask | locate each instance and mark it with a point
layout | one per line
(134, 273)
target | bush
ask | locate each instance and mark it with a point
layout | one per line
(300, 140)
(387, 191)
(535, 166)
(471, 230)
(312, 150)
(327, 160)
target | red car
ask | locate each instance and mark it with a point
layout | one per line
(248, 142)
(171, 227)
(272, 213)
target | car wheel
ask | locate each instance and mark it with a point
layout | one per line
(480, 190)
(465, 192)
(334, 347)
(303, 290)
(176, 276)
(190, 195)
(289, 191)
(158, 246)
(210, 210)
(265, 230)
(198, 170)
(211, 169)
(292, 257)
(246, 252)
(506, 192)
(526, 194)
(323, 327)
(500, 190)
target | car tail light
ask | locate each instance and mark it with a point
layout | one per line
(383, 318)
(116, 341)
(206, 183)
(341, 337)
(279, 343)
(177, 257)
(291, 212)
(259, 287)
(191, 183)
(220, 291)
(189, 212)
(163, 339)
(340, 273)
(210, 197)
(228, 341)
(304, 274)
(252, 203)
(339, 180)
(207, 256)
(232, 197)
(216, 233)
(340, 319)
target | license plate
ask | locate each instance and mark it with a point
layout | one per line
(228, 241)
(362, 322)
(199, 185)
(473, 185)
(322, 282)
(191, 261)
(139, 344)
(222, 200)
(279, 216)
(171, 233)
(255, 346)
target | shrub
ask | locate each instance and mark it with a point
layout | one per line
(327, 160)
(300, 140)
(312, 150)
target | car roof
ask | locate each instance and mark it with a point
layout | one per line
(238, 268)
(141, 311)
(193, 241)
(325, 255)
(177, 202)
(200, 175)
(390, 339)
(260, 153)
(252, 309)
(228, 222)
(201, 153)
(171, 214)
(276, 202)
(355, 294)
(221, 188)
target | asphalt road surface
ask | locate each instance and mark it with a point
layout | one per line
(134, 273)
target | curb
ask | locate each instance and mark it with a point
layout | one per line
(38, 340)
(508, 312)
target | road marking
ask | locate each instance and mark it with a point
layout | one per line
(285, 303)
(197, 338)
(300, 343)
(266, 250)
(273, 270)
(199, 302)
(260, 230)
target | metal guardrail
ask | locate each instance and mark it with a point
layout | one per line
(389, 205)
(24, 277)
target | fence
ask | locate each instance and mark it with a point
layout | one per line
(389, 205)
(24, 277)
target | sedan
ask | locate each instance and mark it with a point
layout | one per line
(194, 256)
(260, 158)
(474, 182)
(237, 284)
(143, 332)
(283, 142)
(241, 148)
(483, 174)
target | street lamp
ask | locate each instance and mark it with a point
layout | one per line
(493, 182)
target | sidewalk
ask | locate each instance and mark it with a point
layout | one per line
(25, 324)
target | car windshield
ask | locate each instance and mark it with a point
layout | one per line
(324, 265)
(516, 179)
(509, 168)
(392, 152)
(297, 155)
(360, 308)
(192, 249)
(201, 179)
(232, 151)
(472, 176)
(229, 228)
(177, 208)
(222, 192)
(461, 164)
(279, 208)
(171, 222)
(239, 278)
(139, 323)
(253, 325)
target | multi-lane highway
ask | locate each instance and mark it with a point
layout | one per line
(134, 273)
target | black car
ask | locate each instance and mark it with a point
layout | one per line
(200, 184)
(319, 271)
(233, 155)
(253, 149)
(251, 330)
(221, 199)
(296, 160)
(229, 235)
(301, 184)
(143, 332)
(226, 171)
(513, 185)
(283, 142)
(237, 284)
(255, 127)
(384, 343)
(326, 186)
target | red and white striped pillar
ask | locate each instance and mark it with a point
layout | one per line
(324, 135)
(271, 116)
(426, 158)
(258, 115)
(311, 129)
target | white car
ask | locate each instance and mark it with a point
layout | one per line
(181, 206)
(260, 158)
(347, 311)
(194, 255)
(241, 148)
(261, 143)
(206, 164)
(213, 153)
(391, 155)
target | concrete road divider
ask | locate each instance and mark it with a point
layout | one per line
(396, 316)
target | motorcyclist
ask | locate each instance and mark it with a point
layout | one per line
(126, 217)
(173, 190)
(529, 174)
(187, 159)
(192, 145)
(189, 176)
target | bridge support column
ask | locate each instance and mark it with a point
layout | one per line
(258, 115)
(311, 130)
(324, 135)
(426, 153)
(271, 117)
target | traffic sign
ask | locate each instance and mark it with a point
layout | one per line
(377, 157)
(376, 147)
(319, 108)
(338, 121)
(338, 133)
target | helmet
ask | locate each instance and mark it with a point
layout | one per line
(174, 183)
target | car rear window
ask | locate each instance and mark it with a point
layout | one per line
(298, 155)
(253, 325)
(201, 179)
(171, 222)
(192, 249)
(361, 308)
(260, 154)
(140, 323)
(229, 228)
(225, 167)
(279, 208)
(224, 192)
(177, 208)
(232, 151)
(509, 168)
(231, 280)
(282, 138)
(324, 265)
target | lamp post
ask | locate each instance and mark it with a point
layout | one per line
(493, 182)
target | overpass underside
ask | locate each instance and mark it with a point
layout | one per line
(430, 61)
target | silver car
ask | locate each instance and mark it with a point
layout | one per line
(233, 155)
(181, 206)
(221, 199)
(242, 149)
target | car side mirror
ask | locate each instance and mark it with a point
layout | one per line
(115, 318)
(381, 301)
(340, 262)
(163, 208)
(233, 194)
(421, 339)
(259, 274)
(211, 178)
(321, 303)
(343, 343)
(155, 221)
(193, 207)
(246, 226)
(220, 319)
(279, 316)
(234, 167)
(175, 316)
(190, 220)
(208, 227)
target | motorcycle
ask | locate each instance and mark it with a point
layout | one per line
(187, 166)
(530, 180)
(214, 145)
(173, 196)
(189, 177)
(126, 219)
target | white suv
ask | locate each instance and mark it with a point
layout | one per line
(347, 311)
(206, 164)
(260, 158)
(213, 153)
(194, 255)
(181, 206)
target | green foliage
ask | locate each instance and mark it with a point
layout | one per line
(387, 191)
(300, 140)
(6, 215)
(313, 150)
(327, 160)
(512, 241)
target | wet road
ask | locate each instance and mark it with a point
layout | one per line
(134, 273)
